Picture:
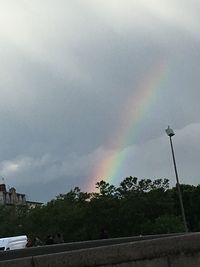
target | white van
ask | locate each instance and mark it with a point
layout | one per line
(14, 242)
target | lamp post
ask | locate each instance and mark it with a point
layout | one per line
(171, 133)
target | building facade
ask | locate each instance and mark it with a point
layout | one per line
(11, 197)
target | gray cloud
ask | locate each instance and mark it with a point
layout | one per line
(68, 71)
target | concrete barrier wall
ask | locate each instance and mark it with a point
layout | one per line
(35, 251)
(177, 251)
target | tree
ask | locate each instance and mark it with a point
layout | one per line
(135, 207)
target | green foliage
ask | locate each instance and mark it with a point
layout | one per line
(105, 189)
(135, 207)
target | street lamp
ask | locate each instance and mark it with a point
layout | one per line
(171, 133)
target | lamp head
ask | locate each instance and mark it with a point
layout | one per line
(170, 132)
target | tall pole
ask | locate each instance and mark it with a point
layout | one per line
(178, 186)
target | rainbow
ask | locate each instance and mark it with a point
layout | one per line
(135, 108)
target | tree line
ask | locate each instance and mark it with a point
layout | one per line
(136, 207)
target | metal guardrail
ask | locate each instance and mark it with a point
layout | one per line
(50, 249)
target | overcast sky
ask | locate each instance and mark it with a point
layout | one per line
(82, 80)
